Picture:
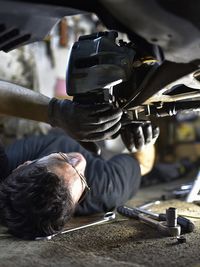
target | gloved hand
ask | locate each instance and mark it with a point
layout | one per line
(136, 136)
(85, 123)
(92, 147)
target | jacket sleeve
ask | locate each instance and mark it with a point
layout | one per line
(112, 183)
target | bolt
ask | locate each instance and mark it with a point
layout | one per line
(181, 239)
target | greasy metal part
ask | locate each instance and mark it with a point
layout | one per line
(96, 63)
(191, 80)
(99, 54)
(168, 109)
(136, 93)
(109, 216)
(172, 98)
(171, 217)
(162, 76)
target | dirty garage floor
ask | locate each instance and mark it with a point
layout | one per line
(123, 243)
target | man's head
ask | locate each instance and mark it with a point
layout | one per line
(38, 197)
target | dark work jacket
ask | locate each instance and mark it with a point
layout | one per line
(3, 163)
(112, 182)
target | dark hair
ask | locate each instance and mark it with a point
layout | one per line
(34, 202)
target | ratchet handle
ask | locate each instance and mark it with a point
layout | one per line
(128, 212)
(186, 225)
(160, 226)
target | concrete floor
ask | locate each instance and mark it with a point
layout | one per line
(123, 243)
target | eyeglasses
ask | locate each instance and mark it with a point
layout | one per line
(82, 177)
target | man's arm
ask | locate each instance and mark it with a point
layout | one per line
(146, 158)
(86, 123)
(22, 102)
(115, 181)
(139, 139)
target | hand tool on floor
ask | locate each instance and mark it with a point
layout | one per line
(166, 228)
(190, 192)
(149, 204)
(194, 195)
(186, 225)
(108, 217)
(179, 192)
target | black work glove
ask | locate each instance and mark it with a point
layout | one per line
(92, 147)
(84, 123)
(136, 135)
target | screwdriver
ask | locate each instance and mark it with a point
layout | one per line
(186, 225)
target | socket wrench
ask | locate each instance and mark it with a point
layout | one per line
(186, 225)
(161, 226)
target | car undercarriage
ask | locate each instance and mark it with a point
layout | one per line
(163, 53)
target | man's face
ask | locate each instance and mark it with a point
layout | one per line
(58, 165)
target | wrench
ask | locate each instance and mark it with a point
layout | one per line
(161, 226)
(186, 225)
(109, 216)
